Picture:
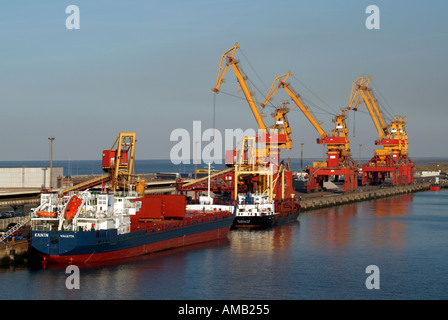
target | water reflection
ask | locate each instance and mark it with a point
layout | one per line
(323, 256)
(152, 276)
(254, 242)
(331, 227)
(380, 222)
(261, 263)
(392, 207)
(390, 226)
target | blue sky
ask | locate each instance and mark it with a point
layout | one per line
(149, 66)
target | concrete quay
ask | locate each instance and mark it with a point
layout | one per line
(14, 252)
(331, 200)
(19, 197)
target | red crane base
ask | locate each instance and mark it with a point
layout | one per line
(317, 176)
(401, 171)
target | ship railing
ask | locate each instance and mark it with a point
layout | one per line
(216, 201)
(41, 227)
(34, 211)
(254, 213)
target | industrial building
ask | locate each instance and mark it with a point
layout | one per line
(36, 177)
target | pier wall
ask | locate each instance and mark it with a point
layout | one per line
(335, 200)
(5, 221)
(13, 252)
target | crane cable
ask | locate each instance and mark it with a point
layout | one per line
(389, 114)
(254, 100)
(333, 113)
(270, 106)
(254, 70)
(214, 116)
(314, 94)
(266, 87)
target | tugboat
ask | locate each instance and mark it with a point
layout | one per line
(435, 186)
(256, 211)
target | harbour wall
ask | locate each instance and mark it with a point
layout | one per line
(14, 252)
(340, 199)
(6, 221)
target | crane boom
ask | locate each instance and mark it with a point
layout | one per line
(339, 161)
(392, 136)
(226, 60)
(296, 98)
(360, 91)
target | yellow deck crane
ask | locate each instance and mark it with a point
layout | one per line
(339, 160)
(118, 165)
(252, 161)
(118, 162)
(392, 160)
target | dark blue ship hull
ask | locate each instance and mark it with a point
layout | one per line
(104, 245)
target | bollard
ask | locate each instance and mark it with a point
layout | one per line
(12, 256)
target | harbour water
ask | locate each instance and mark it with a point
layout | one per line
(324, 255)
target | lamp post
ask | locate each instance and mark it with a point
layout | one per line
(51, 161)
(301, 157)
(208, 194)
(195, 160)
(360, 145)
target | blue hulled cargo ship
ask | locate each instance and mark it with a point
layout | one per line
(88, 227)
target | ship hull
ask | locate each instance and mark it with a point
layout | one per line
(268, 221)
(287, 218)
(254, 222)
(286, 212)
(105, 245)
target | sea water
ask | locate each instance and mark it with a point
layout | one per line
(325, 254)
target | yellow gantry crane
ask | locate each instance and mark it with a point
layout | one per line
(392, 137)
(277, 136)
(252, 160)
(338, 144)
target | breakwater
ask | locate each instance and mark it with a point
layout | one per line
(339, 199)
